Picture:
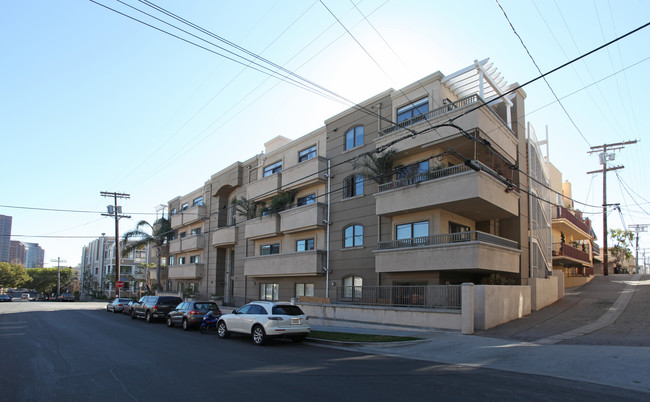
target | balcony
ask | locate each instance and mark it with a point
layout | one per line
(265, 187)
(186, 271)
(226, 236)
(458, 189)
(305, 173)
(493, 127)
(188, 243)
(266, 226)
(304, 263)
(190, 215)
(303, 218)
(568, 255)
(567, 222)
(473, 250)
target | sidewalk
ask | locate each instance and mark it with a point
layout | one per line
(597, 333)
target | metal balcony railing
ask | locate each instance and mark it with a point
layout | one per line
(565, 250)
(449, 238)
(563, 213)
(430, 296)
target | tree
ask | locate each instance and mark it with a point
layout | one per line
(157, 235)
(44, 280)
(248, 209)
(377, 167)
(622, 249)
(12, 275)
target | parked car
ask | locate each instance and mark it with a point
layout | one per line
(154, 307)
(117, 305)
(5, 298)
(262, 320)
(65, 296)
(126, 309)
(190, 313)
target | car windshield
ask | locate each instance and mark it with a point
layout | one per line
(287, 310)
(206, 306)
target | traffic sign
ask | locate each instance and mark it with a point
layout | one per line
(120, 284)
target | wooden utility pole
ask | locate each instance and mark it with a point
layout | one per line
(116, 212)
(637, 230)
(604, 157)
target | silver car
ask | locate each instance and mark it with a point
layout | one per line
(262, 320)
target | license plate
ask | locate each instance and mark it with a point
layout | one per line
(295, 321)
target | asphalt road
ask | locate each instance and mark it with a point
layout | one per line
(76, 351)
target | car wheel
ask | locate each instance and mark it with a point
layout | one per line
(170, 323)
(147, 317)
(107, 310)
(259, 336)
(132, 315)
(186, 325)
(298, 338)
(222, 330)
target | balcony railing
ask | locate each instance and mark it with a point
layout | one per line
(565, 250)
(422, 177)
(449, 238)
(563, 213)
(431, 296)
(431, 114)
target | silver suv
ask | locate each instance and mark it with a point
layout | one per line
(263, 319)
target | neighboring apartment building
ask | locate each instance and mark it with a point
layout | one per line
(98, 268)
(447, 210)
(574, 247)
(5, 237)
(35, 256)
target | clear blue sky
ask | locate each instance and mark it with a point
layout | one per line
(93, 101)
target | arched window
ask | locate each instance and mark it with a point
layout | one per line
(354, 137)
(353, 186)
(353, 236)
(352, 287)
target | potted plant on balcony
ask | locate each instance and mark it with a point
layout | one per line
(248, 209)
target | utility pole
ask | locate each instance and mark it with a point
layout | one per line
(58, 274)
(116, 212)
(637, 230)
(604, 157)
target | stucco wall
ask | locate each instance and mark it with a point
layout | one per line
(496, 305)
(544, 291)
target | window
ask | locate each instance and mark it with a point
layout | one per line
(196, 231)
(354, 137)
(353, 186)
(304, 289)
(307, 154)
(305, 245)
(185, 206)
(126, 270)
(352, 286)
(411, 230)
(274, 168)
(269, 291)
(353, 236)
(306, 200)
(181, 260)
(172, 260)
(174, 211)
(413, 110)
(182, 234)
(458, 228)
(172, 236)
(269, 249)
(414, 172)
(195, 259)
(197, 201)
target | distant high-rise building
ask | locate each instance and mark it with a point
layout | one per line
(5, 237)
(35, 256)
(17, 252)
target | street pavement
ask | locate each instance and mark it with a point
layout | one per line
(597, 333)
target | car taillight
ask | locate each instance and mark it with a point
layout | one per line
(155, 307)
(119, 305)
(193, 312)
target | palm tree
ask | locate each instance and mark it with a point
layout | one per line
(377, 167)
(158, 236)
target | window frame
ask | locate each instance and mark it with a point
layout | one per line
(356, 138)
(197, 201)
(274, 291)
(272, 169)
(409, 108)
(411, 226)
(353, 186)
(195, 231)
(354, 235)
(306, 200)
(185, 206)
(271, 247)
(307, 242)
(307, 153)
(195, 259)
(307, 289)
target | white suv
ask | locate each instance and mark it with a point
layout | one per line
(263, 319)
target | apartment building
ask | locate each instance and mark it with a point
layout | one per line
(441, 203)
(574, 247)
(5, 237)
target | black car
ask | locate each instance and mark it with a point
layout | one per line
(190, 313)
(154, 307)
(5, 298)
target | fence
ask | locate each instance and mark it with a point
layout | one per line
(430, 296)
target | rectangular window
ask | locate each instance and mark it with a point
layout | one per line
(458, 228)
(174, 211)
(274, 168)
(412, 110)
(197, 201)
(304, 289)
(181, 260)
(306, 200)
(305, 245)
(269, 249)
(195, 259)
(126, 270)
(307, 154)
(412, 230)
(185, 206)
(182, 234)
(172, 260)
(196, 231)
(269, 291)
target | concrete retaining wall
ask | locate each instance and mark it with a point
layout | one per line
(494, 305)
(544, 291)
